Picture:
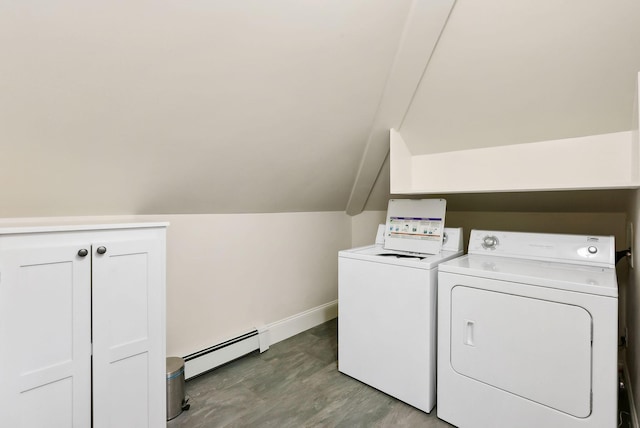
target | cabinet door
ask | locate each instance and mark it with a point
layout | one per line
(129, 368)
(45, 336)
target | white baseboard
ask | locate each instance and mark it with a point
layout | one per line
(258, 339)
(288, 327)
(632, 406)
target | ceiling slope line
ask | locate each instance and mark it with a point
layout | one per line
(425, 23)
(424, 69)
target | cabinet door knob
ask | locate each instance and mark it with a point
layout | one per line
(101, 250)
(83, 252)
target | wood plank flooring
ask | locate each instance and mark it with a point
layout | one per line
(295, 383)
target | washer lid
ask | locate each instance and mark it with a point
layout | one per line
(378, 254)
(564, 276)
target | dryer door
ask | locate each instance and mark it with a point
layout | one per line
(536, 349)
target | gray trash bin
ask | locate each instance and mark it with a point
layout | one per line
(175, 387)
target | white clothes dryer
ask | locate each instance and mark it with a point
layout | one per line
(527, 332)
(387, 318)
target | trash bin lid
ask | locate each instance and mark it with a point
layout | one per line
(174, 364)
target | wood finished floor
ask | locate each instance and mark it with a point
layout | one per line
(295, 383)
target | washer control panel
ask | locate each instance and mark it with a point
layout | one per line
(578, 249)
(452, 240)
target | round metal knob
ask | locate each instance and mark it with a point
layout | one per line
(101, 250)
(592, 249)
(489, 242)
(83, 252)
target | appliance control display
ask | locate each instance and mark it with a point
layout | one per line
(419, 228)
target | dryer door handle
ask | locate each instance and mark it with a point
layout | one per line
(468, 332)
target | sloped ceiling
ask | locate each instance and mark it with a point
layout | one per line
(511, 72)
(152, 107)
(506, 73)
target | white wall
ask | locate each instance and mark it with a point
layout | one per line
(512, 72)
(364, 227)
(605, 161)
(577, 223)
(230, 273)
(222, 106)
(632, 319)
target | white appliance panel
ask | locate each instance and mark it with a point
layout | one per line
(387, 318)
(564, 276)
(575, 249)
(469, 403)
(386, 335)
(536, 349)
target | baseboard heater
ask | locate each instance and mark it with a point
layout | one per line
(259, 339)
(215, 356)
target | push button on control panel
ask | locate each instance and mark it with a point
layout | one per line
(590, 252)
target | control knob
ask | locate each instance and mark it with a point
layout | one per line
(489, 242)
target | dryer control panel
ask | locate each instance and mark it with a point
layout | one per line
(577, 249)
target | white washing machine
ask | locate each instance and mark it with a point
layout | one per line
(527, 332)
(387, 319)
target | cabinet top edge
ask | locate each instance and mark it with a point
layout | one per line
(13, 230)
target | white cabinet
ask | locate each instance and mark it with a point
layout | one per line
(82, 326)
